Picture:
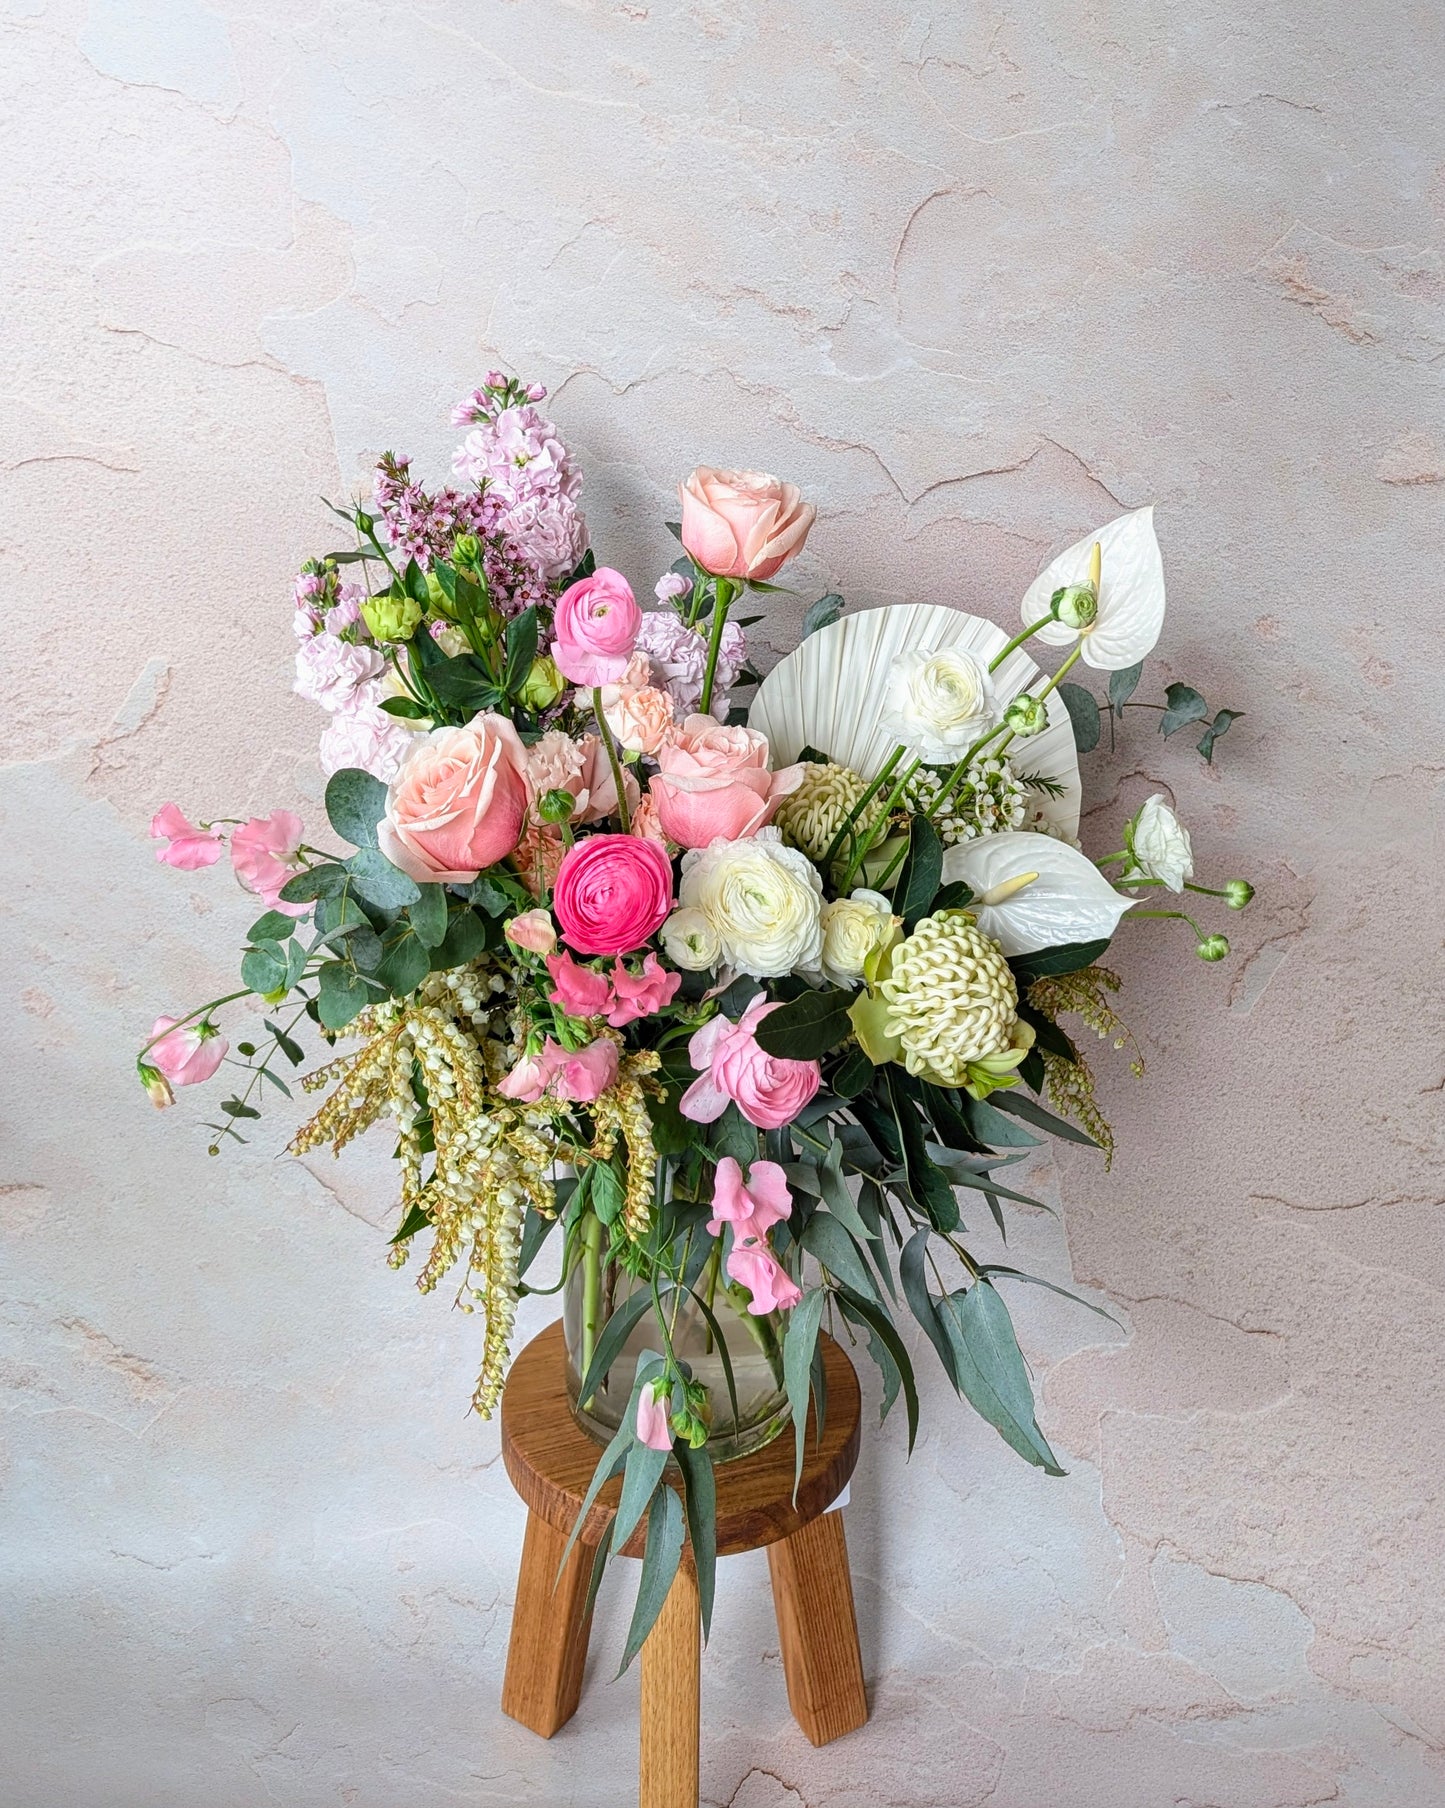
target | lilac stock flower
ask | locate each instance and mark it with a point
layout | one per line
(328, 670)
(363, 734)
(679, 660)
(346, 611)
(670, 585)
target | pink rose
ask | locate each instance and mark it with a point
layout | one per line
(458, 803)
(186, 1056)
(713, 783)
(769, 1090)
(754, 1207)
(581, 991)
(640, 995)
(612, 893)
(596, 625)
(533, 931)
(754, 1266)
(742, 524)
(189, 847)
(586, 1075)
(264, 855)
(639, 715)
(653, 1428)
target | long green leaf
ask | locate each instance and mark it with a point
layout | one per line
(660, 1559)
(614, 1334)
(642, 1475)
(879, 1325)
(922, 872)
(1007, 1099)
(991, 1127)
(926, 1181)
(1037, 1280)
(610, 1461)
(798, 1344)
(807, 1027)
(724, 1356)
(991, 1371)
(700, 1492)
(1047, 963)
(826, 1239)
(921, 1302)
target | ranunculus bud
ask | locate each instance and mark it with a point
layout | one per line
(1213, 948)
(391, 617)
(1026, 715)
(1237, 893)
(543, 686)
(466, 549)
(556, 806)
(1076, 605)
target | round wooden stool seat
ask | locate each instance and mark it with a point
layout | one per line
(551, 1459)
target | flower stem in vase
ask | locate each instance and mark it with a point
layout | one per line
(591, 1289)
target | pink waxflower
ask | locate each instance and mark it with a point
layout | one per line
(596, 628)
(769, 1090)
(264, 854)
(586, 1075)
(185, 1056)
(742, 524)
(752, 1207)
(581, 991)
(189, 847)
(653, 1413)
(533, 931)
(713, 783)
(612, 893)
(643, 994)
(753, 1265)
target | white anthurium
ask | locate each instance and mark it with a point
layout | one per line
(1031, 891)
(1130, 604)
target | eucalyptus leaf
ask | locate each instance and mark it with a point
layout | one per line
(927, 1185)
(614, 1334)
(881, 1328)
(264, 969)
(799, 1341)
(1083, 714)
(323, 881)
(1220, 725)
(641, 1476)
(404, 966)
(464, 940)
(275, 926)
(822, 614)
(355, 803)
(991, 1372)
(1185, 705)
(429, 915)
(921, 1302)
(826, 1239)
(379, 882)
(341, 993)
(1013, 1102)
(700, 1491)
(660, 1559)
(1122, 685)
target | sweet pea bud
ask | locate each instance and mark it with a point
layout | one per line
(157, 1086)
(556, 806)
(391, 617)
(1213, 948)
(1076, 605)
(544, 685)
(1026, 715)
(1237, 893)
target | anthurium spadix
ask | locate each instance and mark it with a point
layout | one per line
(1031, 891)
(1129, 608)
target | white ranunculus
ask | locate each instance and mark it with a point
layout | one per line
(852, 928)
(689, 941)
(764, 901)
(1158, 845)
(940, 703)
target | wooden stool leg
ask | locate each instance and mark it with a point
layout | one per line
(813, 1597)
(548, 1648)
(671, 1682)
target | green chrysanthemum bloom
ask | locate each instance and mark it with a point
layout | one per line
(988, 798)
(951, 999)
(814, 813)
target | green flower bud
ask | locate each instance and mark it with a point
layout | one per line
(364, 521)
(391, 617)
(1076, 605)
(544, 685)
(1237, 893)
(1213, 948)
(556, 806)
(1026, 715)
(466, 549)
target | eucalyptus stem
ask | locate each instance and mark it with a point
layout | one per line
(612, 759)
(722, 601)
(1018, 640)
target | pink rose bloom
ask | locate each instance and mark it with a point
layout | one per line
(713, 783)
(652, 1418)
(596, 627)
(671, 585)
(458, 803)
(643, 994)
(754, 1207)
(612, 893)
(189, 847)
(186, 1056)
(586, 1075)
(742, 524)
(639, 715)
(753, 1265)
(533, 931)
(581, 991)
(264, 854)
(769, 1090)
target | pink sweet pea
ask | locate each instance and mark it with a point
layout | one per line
(187, 1055)
(754, 1266)
(643, 994)
(769, 1090)
(596, 627)
(754, 1207)
(586, 1075)
(189, 847)
(580, 991)
(532, 1075)
(264, 855)
(652, 1418)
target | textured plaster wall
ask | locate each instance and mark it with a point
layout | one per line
(978, 277)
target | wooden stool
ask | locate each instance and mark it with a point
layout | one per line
(551, 1461)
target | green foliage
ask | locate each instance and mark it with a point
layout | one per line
(1084, 714)
(921, 873)
(822, 614)
(324, 881)
(1048, 963)
(341, 993)
(377, 881)
(1122, 685)
(799, 1341)
(808, 1026)
(660, 1559)
(355, 803)
(989, 1370)
(429, 915)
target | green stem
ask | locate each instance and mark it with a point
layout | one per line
(612, 759)
(861, 851)
(1019, 639)
(1177, 915)
(591, 1290)
(723, 592)
(956, 776)
(845, 827)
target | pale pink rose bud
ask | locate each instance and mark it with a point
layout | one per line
(533, 930)
(742, 524)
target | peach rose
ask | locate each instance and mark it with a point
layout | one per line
(458, 802)
(713, 783)
(639, 715)
(743, 524)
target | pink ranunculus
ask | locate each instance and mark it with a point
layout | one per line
(769, 1090)
(264, 855)
(742, 524)
(533, 930)
(187, 1055)
(753, 1265)
(458, 803)
(586, 1075)
(713, 783)
(752, 1207)
(653, 1414)
(596, 627)
(189, 847)
(581, 991)
(643, 994)
(612, 893)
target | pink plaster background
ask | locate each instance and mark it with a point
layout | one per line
(978, 277)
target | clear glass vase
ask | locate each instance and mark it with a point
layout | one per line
(593, 1290)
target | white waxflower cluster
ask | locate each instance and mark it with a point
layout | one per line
(987, 800)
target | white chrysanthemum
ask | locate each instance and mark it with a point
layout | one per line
(811, 816)
(951, 998)
(763, 899)
(987, 800)
(939, 703)
(853, 928)
(1158, 845)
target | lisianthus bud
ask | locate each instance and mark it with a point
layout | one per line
(364, 521)
(1076, 605)
(391, 617)
(1213, 948)
(466, 549)
(1237, 893)
(556, 806)
(543, 686)
(1026, 715)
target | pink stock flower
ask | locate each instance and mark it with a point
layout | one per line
(264, 854)
(713, 783)
(752, 1207)
(653, 1414)
(643, 994)
(596, 628)
(328, 670)
(190, 847)
(754, 1266)
(458, 803)
(742, 524)
(533, 931)
(612, 893)
(188, 1055)
(639, 715)
(581, 991)
(363, 735)
(769, 1090)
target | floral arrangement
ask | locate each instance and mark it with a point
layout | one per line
(743, 998)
